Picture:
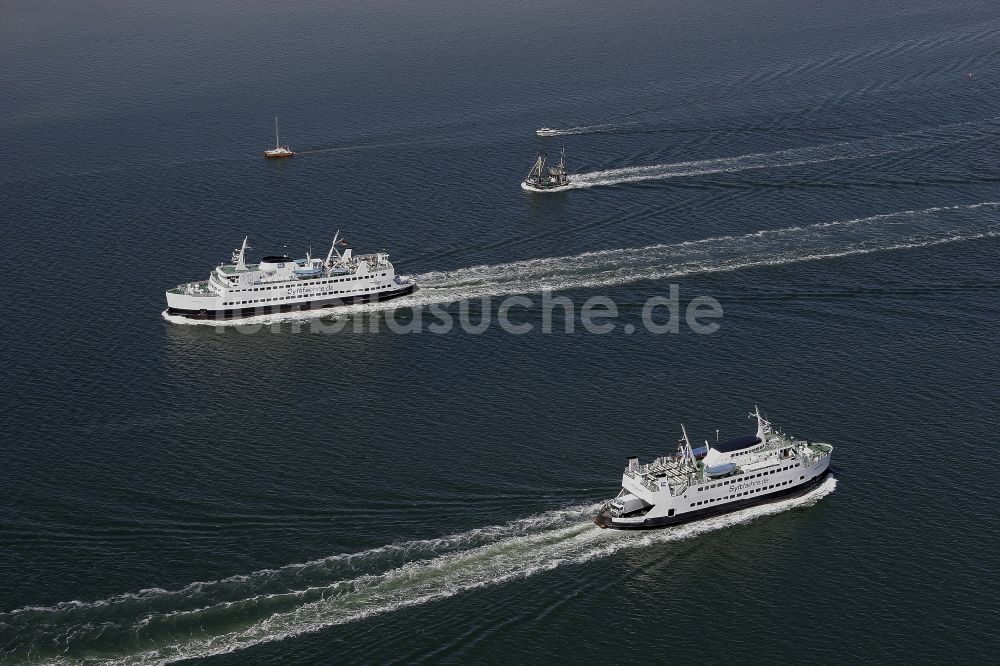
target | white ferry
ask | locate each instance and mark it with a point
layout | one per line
(283, 284)
(717, 478)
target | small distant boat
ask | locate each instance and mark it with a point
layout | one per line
(547, 131)
(540, 179)
(278, 151)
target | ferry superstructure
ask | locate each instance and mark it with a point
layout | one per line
(282, 284)
(718, 478)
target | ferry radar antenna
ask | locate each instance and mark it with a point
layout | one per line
(763, 425)
(687, 450)
(333, 248)
(239, 255)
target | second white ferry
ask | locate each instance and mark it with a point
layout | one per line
(717, 478)
(282, 284)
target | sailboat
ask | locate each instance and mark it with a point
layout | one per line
(278, 151)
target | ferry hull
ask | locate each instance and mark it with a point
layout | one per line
(239, 313)
(604, 520)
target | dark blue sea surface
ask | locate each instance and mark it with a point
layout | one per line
(292, 493)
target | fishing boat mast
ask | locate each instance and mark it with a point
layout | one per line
(538, 168)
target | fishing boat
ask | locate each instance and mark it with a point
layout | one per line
(553, 179)
(278, 151)
(547, 131)
(280, 284)
(694, 483)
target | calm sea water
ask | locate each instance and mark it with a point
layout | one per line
(827, 171)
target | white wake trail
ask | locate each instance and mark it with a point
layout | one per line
(846, 150)
(587, 129)
(160, 626)
(607, 268)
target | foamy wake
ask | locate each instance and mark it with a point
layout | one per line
(588, 129)
(880, 233)
(213, 617)
(846, 150)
